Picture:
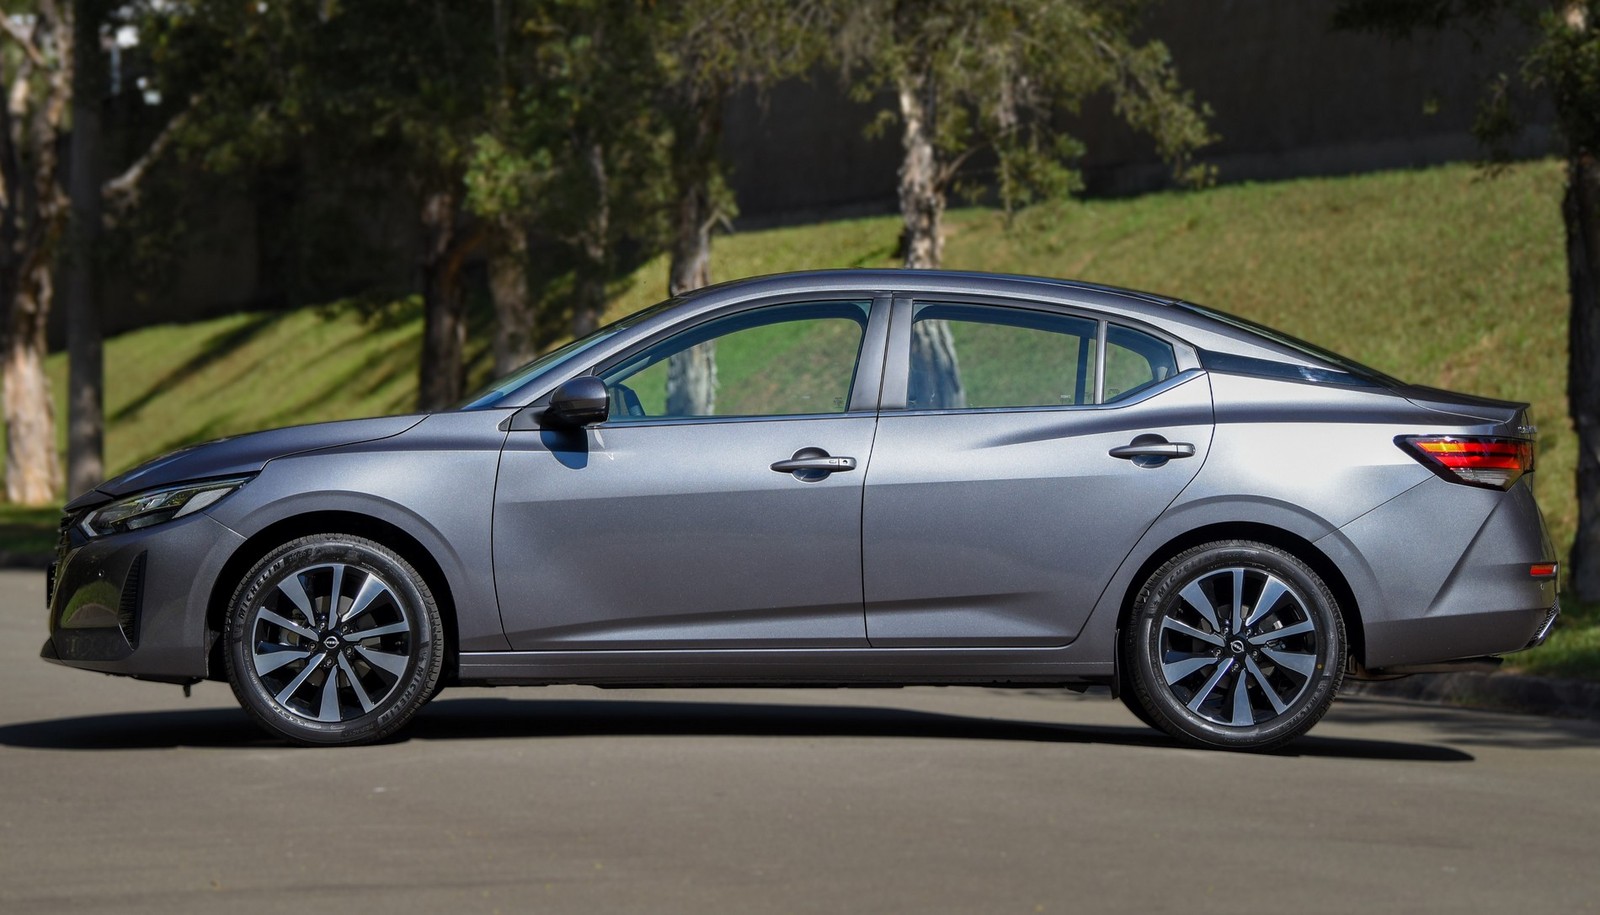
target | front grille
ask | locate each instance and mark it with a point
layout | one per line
(63, 544)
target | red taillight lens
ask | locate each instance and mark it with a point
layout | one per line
(1477, 460)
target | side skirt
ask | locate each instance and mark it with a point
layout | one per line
(782, 667)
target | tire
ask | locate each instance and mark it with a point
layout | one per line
(1129, 697)
(1208, 681)
(318, 682)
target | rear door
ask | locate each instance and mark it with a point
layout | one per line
(1035, 446)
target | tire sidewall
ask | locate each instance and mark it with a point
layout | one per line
(422, 669)
(1143, 646)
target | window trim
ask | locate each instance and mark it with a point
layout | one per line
(865, 385)
(897, 361)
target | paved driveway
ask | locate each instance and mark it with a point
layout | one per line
(124, 795)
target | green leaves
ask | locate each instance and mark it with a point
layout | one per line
(997, 75)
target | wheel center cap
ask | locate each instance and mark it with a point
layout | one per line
(1236, 646)
(331, 642)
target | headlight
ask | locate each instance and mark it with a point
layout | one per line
(156, 506)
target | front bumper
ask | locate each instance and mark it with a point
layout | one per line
(135, 603)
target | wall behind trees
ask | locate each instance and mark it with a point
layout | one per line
(1291, 98)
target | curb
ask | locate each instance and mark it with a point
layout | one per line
(10, 560)
(1552, 696)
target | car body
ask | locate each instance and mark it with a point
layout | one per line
(891, 478)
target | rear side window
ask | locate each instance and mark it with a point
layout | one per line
(1135, 361)
(973, 356)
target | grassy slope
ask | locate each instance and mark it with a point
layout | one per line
(1438, 276)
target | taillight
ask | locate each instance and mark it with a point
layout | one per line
(1477, 460)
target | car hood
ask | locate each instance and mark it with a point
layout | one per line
(243, 454)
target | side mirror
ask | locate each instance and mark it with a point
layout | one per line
(580, 401)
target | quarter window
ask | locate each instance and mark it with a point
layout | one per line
(1134, 361)
(782, 360)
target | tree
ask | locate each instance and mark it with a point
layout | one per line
(709, 50)
(1561, 62)
(971, 76)
(36, 72)
(396, 90)
(85, 349)
(575, 149)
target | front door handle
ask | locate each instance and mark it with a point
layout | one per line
(1152, 450)
(813, 464)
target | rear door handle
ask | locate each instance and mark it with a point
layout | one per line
(1151, 450)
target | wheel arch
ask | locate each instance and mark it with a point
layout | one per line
(330, 522)
(1288, 541)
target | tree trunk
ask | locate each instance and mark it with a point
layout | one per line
(921, 191)
(35, 215)
(589, 294)
(85, 349)
(514, 318)
(692, 374)
(32, 469)
(935, 372)
(1581, 213)
(444, 321)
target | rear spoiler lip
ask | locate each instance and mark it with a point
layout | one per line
(1484, 409)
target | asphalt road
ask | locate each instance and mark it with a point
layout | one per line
(124, 796)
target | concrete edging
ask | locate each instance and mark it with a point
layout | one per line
(10, 560)
(1553, 696)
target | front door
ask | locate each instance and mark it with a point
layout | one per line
(720, 504)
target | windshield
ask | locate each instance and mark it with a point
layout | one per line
(500, 388)
(1295, 343)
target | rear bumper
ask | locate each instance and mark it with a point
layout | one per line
(1454, 567)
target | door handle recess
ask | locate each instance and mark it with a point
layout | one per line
(1152, 450)
(813, 464)
(824, 464)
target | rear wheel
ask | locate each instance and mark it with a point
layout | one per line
(1234, 645)
(333, 639)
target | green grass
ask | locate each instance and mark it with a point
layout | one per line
(1573, 649)
(1439, 276)
(28, 530)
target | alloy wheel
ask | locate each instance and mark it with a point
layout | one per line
(330, 642)
(1238, 646)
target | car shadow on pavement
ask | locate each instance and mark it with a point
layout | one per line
(490, 718)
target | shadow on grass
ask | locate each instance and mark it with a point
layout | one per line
(490, 718)
(220, 346)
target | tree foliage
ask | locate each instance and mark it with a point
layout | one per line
(994, 76)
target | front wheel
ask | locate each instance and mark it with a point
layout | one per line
(1234, 645)
(333, 639)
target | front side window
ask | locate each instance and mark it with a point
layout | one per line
(781, 360)
(974, 356)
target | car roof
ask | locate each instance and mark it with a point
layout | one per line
(890, 279)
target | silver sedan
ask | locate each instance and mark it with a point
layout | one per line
(839, 479)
